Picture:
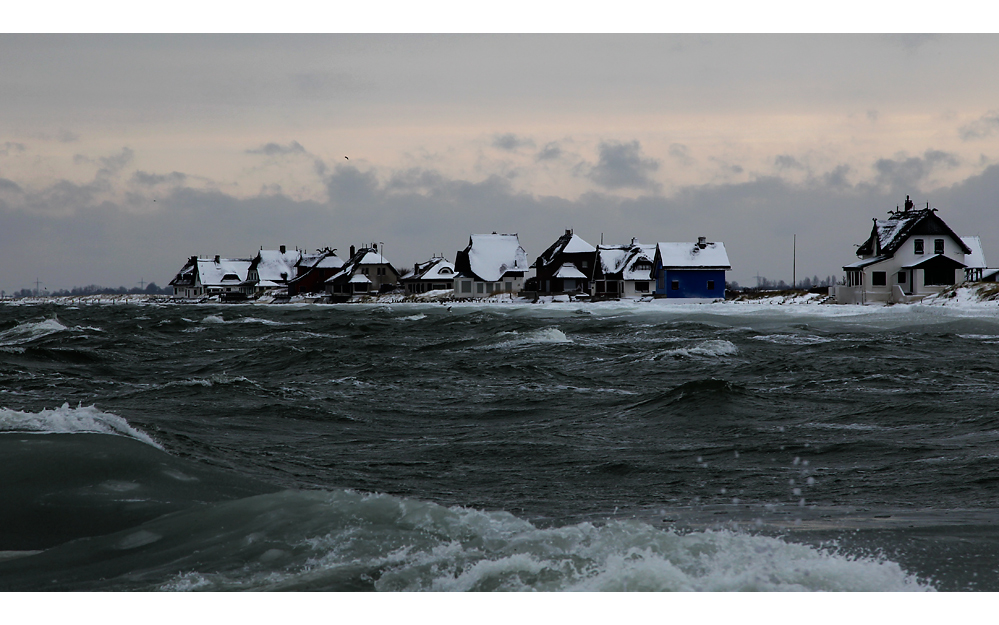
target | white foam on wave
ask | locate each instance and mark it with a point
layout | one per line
(792, 339)
(415, 317)
(534, 337)
(708, 349)
(408, 545)
(67, 420)
(266, 322)
(28, 331)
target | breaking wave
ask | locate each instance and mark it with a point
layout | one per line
(33, 330)
(708, 349)
(792, 339)
(266, 322)
(67, 420)
(536, 337)
(387, 543)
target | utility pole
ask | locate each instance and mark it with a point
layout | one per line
(142, 283)
(37, 284)
(794, 263)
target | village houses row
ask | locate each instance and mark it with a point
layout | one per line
(491, 264)
(911, 254)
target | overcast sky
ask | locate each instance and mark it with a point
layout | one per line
(121, 156)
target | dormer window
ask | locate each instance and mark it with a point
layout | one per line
(917, 246)
(938, 246)
(445, 270)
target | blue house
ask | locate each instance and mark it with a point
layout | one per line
(690, 270)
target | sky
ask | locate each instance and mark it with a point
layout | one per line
(123, 155)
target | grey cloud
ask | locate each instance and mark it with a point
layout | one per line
(786, 161)
(681, 153)
(511, 142)
(9, 148)
(550, 152)
(621, 165)
(147, 179)
(911, 42)
(837, 177)
(9, 185)
(906, 173)
(982, 127)
(276, 149)
(113, 164)
(67, 136)
(872, 115)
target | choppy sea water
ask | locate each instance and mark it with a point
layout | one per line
(505, 447)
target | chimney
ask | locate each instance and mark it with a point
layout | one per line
(702, 242)
(283, 248)
(634, 240)
(568, 230)
(352, 252)
(416, 268)
(216, 259)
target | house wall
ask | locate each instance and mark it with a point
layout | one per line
(692, 283)
(477, 289)
(625, 289)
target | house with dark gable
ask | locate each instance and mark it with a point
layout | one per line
(490, 265)
(623, 271)
(204, 277)
(367, 271)
(690, 270)
(436, 274)
(907, 256)
(312, 271)
(566, 266)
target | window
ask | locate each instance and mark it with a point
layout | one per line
(364, 270)
(711, 285)
(938, 276)
(585, 264)
(479, 286)
(466, 286)
(901, 277)
(675, 285)
(879, 278)
(917, 246)
(509, 287)
(938, 247)
(642, 287)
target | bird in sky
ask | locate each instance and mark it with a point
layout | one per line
(347, 158)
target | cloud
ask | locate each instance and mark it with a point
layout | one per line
(911, 42)
(147, 179)
(786, 161)
(982, 127)
(9, 148)
(872, 115)
(9, 186)
(511, 142)
(552, 151)
(902, 173)
(681, 153)
(276, 149)
(621, 166)
(66, 136)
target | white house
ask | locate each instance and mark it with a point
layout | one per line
(624, 270)
(911, 254)
(271, 269)
(491, 264)
(434, 275)
(203, 277)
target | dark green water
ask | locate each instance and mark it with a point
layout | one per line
(718, 447)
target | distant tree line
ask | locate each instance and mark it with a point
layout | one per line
(765, 284)
(93, 289)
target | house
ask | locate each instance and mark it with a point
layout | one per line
(365, 272)
(975, 265)
(271, 269)
(312, 271)
(566, 266)
(491, 264)
(911, 254)
(690, 270)
(623, 270)
(435, 274)
(203, 277)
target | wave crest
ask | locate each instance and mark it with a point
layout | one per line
(67, 420)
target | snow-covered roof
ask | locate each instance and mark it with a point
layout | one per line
(934, 259)
(363, 256)
(267, 284)
(692, 255)
(568, 243)
(270, 264)
(568, 270)
(976, 259)
(492, 255)
(437, 268)
(372, 258)
(614, 259)
(860, 264)
(889, 234)
(359, 278)
(226, 272)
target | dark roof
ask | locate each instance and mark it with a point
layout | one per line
(936, 260)
(888, 235)
(551, 254)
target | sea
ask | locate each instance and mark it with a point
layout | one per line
(498, 447)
